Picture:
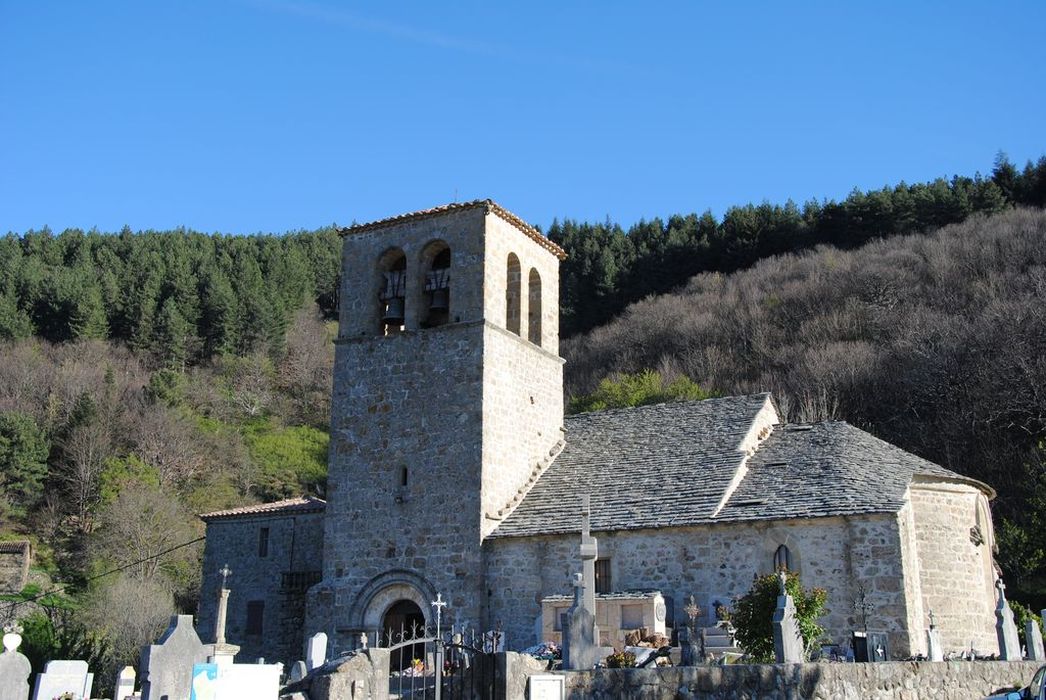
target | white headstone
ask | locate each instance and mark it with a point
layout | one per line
(211, 681)
(933, 644)
(124, 683)
(316, 651)
(14, 669)
(62, 677)
(546, 687)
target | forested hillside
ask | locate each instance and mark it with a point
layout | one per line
(146, 377)
(936, 343)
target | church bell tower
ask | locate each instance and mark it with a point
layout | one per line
(447, 401)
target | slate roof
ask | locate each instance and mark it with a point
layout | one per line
(289, 506)
(651, 466)
(822, 469)
(489, 204)
(672, 464)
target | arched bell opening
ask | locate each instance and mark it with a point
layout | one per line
(513, 293)
(402, 622)
(534, 308)
(436, 261)
(392, 297)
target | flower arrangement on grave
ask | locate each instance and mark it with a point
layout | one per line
(417, 667)
(621, 659)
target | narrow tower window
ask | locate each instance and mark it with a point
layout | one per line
(782, 559)
(263, 542)
(514, 281)
(534, 308)
(436, 261)
(392, 297)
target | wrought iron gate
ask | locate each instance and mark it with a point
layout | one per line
(458, 666)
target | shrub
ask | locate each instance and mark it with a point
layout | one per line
(621, 659)
(640, 389)
(753, 613)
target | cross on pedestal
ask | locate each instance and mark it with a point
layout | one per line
(226, 572)
(589, 553)
(933, 619)
(439, 604)
(782, 578)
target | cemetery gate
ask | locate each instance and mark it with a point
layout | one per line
(461, 666)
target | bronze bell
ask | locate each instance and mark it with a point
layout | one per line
(394, 309)
(440, 300)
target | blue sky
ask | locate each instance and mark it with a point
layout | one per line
(271, 115)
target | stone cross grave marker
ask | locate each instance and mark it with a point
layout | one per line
(788, 643)
(316, 651)
(166, 667)
(1033, 637)
(934, 648)
(14, 666)
(580, 633)
(1005, 628)
(124, 686)
(589, 554)
(691, 644)
(61, 677)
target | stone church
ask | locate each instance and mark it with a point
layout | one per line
(454, 472)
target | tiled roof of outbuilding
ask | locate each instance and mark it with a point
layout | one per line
(304, 504)
(489, 204)
(672, 464)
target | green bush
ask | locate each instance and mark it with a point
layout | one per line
(753, 614)
(640, 389)
(621, 659)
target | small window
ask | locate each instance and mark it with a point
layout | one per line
(403, 476)
(263, 542)
(782, 559)
(603, 576)
(255, 617)
(631, 617)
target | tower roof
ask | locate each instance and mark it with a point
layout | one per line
(489, 205)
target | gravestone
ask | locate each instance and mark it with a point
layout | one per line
(1005, 628)
(316, 651)
(62, 677)
(298, 671)
(166, 667)
(788, 643)
(580, 650)
(14, 667)
(934, 648)
(1033, 637)
(124, 685)
(692, 648)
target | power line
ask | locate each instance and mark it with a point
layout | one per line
(15, 603)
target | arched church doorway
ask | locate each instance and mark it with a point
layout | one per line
(403, 621)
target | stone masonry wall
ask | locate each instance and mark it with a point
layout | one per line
(14, 566)
(713, 563)
(956, 575)
(294, 547)
(949, 680)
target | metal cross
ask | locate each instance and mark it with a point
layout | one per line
(225, 571)
(439, 604)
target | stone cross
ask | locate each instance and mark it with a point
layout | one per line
(782, 579)
(788, 642)
(439, 604)
(692, 611)
(1005, 628)
(933, 619)
(589, 553)
(223, 606)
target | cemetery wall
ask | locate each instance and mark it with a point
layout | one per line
(276, 575)
(954, 539)
(958, 680)
(715, 562)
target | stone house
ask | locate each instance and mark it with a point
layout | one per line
(453, 471)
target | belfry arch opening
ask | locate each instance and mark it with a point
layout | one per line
(513, 293)
(392, 296)
(435, 261)
(534, 307)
